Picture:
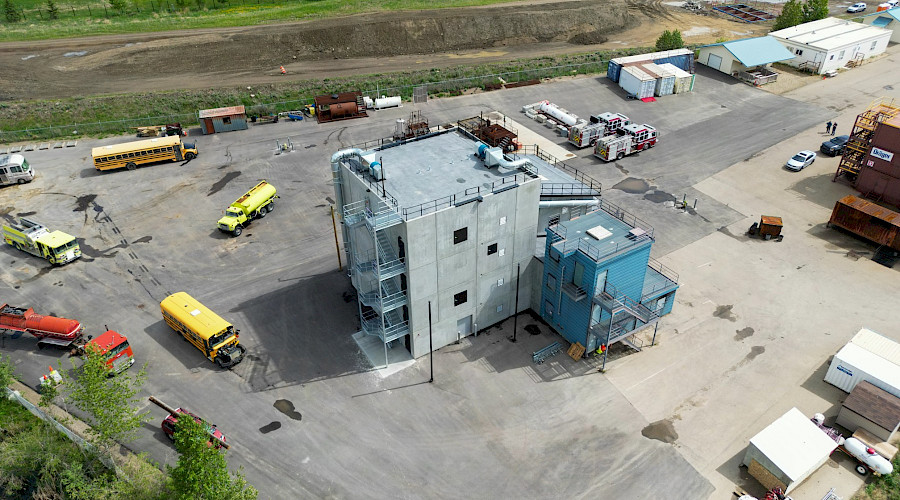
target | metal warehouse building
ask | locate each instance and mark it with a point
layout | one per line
(222, 119)
(747, 59)
(832, 43)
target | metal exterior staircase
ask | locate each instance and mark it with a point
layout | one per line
(638, 316)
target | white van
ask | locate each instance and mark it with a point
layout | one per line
(14, 169)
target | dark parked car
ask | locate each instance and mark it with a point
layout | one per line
(835, 145)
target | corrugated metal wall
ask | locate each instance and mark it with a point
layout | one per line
(237, 122)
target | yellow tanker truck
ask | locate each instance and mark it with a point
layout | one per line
(254, 204)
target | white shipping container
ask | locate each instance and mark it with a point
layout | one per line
(636, 82)
(665, 80)
(684, 81)
(878, 344)
(854, 364)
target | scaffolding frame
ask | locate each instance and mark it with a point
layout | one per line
(853, 159)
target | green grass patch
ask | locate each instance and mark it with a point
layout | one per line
(83, 18)
(115, 114)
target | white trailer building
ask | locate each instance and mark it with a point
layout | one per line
(868, 357)
(788, 451)
(832, 43)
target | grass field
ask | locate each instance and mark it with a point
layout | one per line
(114, 114)
(83, 18)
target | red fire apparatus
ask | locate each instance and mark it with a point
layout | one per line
(584, 134)
(632, 138)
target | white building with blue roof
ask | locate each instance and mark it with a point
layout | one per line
(831, 43)
(747, 59)
(887, 19)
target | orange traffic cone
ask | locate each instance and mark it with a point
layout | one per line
(283, 72)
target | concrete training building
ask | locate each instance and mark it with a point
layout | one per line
(831, 43)
(445, 220)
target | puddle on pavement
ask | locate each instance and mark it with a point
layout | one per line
(25, 214)
(659, 197)
(633, 185)
(724, 312)
(533, 329)
(754, 352)
(661, 430)
(274, 426)
(742, 334)
(83, 201)
(230, 176)
(143, 239)
(286, 407)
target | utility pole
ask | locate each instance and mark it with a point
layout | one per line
(430, 345)
(516, 310)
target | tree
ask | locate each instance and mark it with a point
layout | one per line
(107, 400)
(52, 10)
(791, 15)
(12, 14)
(6, 373)
(669, 40)
(201, 472)
(813, 10)
(118, 5)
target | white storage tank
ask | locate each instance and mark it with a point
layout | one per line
(387, 102)
(636, 82)
(561, 115)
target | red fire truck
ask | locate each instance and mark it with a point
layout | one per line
(632, 138)
(115, 347)
(584, 134)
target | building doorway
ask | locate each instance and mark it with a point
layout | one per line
(401, 249)
(464, 327)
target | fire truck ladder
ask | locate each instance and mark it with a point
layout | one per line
(861, 137)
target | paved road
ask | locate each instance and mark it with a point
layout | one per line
(307, 415)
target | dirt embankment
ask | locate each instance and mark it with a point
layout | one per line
(217, 57)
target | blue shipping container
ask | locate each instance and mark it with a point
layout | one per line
(612, 71)
(683, 61)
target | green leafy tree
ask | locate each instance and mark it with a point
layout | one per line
(791, 15)
(119, 6)
(12, 13)
(201, 472)
(109, 401)
(52, 10)
(669, 40)
(813, 10)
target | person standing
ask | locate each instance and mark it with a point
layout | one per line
(833, 128)
(828, 127)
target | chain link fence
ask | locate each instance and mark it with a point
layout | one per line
(435, 89)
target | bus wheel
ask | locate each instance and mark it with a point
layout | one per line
(131, 165)
(21, 181)
(219, 362)
(237, 231)
(190, 156)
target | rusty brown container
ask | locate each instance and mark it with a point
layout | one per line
(770, 226)
(879, 177)
(867, 220)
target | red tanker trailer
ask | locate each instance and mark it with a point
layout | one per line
(47, 329)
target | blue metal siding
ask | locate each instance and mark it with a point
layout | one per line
(626, 272)
(682, 61)
(613, 70)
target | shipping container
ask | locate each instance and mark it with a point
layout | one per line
(868, 220)
(222, 119)
(684, 81)
(680, 58)
(613, 69)
(665, 79)
(636, 82)
(878, 344)
(854, 364)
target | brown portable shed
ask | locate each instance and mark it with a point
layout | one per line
(223, 119)
(870, 408)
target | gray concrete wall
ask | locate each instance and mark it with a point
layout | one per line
(439, 269)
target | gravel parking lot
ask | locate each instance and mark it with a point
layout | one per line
(309, 417)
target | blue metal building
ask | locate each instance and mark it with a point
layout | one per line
(600, 285)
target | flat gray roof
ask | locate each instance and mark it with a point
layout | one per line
(437, 171)
(601, 233)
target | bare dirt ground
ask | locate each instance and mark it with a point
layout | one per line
(230, 57)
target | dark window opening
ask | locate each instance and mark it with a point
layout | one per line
(226, 120)
(460, 298)
(460, 235)
(492, 249)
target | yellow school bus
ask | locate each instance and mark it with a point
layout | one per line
(215, 337)
(131, 154)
